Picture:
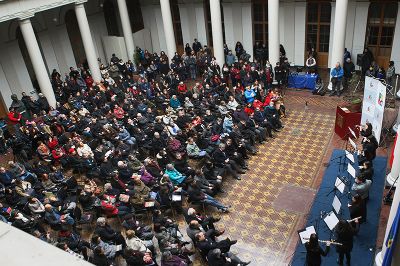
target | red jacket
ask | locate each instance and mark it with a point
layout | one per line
(182, 88)
(14, 116)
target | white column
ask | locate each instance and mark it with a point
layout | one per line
(87, 40)
(379, 257)
(126, 28)
(216, 26)
(37, 60)
(396, 41)
(339, 32)
(168, 28)
(273, 31)
(395, 171)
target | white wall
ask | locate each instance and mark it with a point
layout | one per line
(299, 32)
(287, 36)
(5, 88)
(360, 28)
(114, 44)
(351, 14)
(193, 22)
(98, 29)
(152, 21)
(238, 25)
(332, 30)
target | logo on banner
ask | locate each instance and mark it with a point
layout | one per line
(381, 99)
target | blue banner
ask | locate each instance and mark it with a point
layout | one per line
(391, 239)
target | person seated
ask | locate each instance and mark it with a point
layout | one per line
(44, 152)
(109, 250)
(6, 177)
(135, 243)
(361, 187)
(216, 258)
(107, 233)
(196, 195)
(54, 218)
(311, 64)
(35, 206)
(22, 221)
(63, 246)
(193, 150)
(222, 161)
(137, 258)
(207, 222)
(176, 177)
(20, 171)
(205, 244)
(195, 228)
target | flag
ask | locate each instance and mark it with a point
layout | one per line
(391, 239)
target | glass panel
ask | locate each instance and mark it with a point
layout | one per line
(265, 11)
(312, 12)
(325, 15)
(387, 36)
(259, 33)
(312, 31)
(258, 12)
(178, 33)
(373, 35)
(324, 32)
(390, 10)
(375, 10)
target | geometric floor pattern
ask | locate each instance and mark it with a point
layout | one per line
(293, 159)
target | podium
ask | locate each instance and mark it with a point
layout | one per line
(345, 119)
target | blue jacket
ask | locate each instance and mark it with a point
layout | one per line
(338, 73)
(249, 95)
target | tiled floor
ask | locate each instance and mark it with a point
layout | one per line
(271, 201)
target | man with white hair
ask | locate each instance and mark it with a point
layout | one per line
(107, 233)
(336, 79)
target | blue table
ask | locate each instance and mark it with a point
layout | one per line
(300, 81)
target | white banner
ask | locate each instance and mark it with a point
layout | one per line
(374, 105)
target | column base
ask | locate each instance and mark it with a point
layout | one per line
(378, 259)
(391, 180)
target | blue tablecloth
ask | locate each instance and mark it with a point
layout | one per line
(302, 81)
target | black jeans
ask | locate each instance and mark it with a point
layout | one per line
(341, 257)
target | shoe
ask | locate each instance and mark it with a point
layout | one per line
(224, 210)
(220, 232)
(233, 242)
(241, 171)
(217, 219)
(276, 129)
(246, 167)
(238, 177)
(272, 137)
(332, 93)
(245, 263)
(246, 157)
(222, 191)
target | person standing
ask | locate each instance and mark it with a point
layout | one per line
(391, 71)
(314, 251)
(344, 235)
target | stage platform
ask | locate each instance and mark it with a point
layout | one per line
(364, 243)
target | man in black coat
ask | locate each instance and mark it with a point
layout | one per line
(222, 161)
(205, 244)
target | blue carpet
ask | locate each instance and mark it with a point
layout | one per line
(364, 243)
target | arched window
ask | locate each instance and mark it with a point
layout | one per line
(380, 30)
(111, 18)
(75, 37)
(318, 30)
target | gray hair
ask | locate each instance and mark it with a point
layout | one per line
(101, 221)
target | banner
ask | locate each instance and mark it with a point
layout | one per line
(374, 105)
(391, 240)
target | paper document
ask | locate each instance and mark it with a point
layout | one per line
(305, 234)
(351, 170)
(176, 197)
(331, 220)
(340, 185)
(350, 156)
(336, 204)
(353, 144)
(352, 133)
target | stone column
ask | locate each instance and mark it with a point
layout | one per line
(37, 60)
(395, 171)
(126, 28)
(339, 35)
(273, 31)
(216, 26)
(168, 28)
(87, 40)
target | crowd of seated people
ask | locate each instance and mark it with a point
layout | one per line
(141, 141)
